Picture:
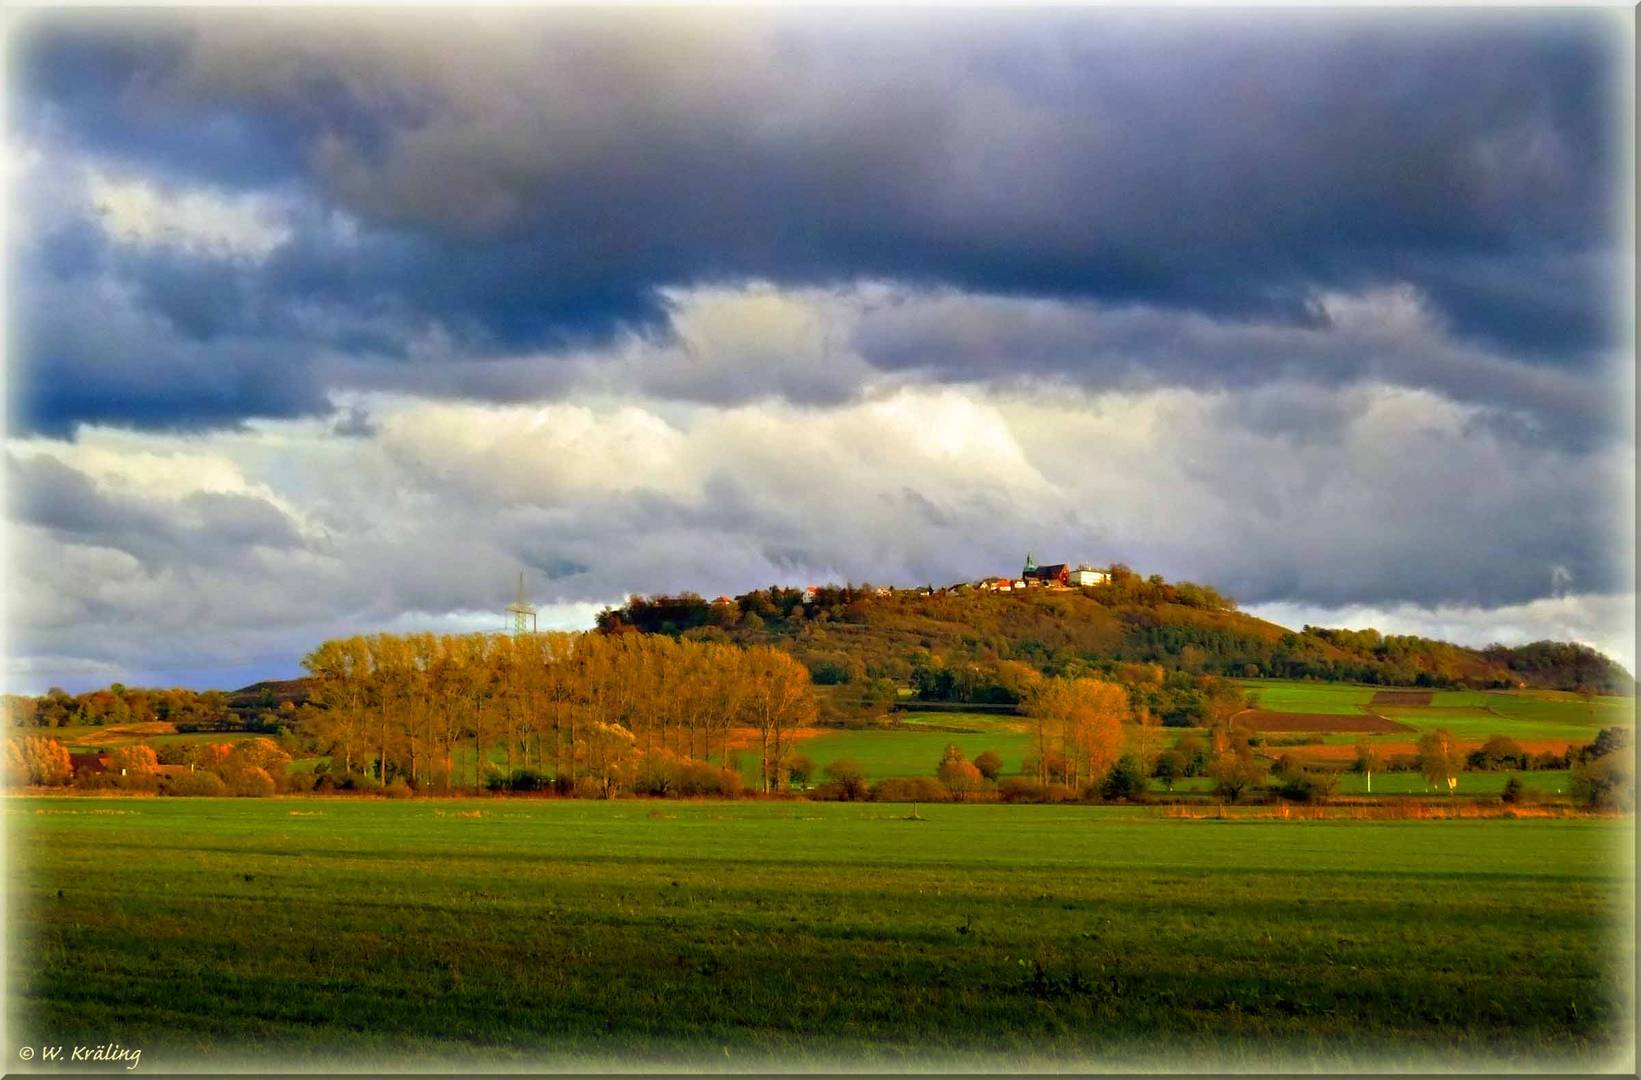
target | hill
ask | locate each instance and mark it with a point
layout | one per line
(969, 644)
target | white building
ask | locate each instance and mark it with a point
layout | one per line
(1087, 575)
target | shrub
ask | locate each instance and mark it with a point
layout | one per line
(358, 781)
(911, 789)
(698, 778)
(990, 764)
(847, 773)
(302, 781)
(1022, 789)
(657, 775)
(397, 789)
(86, 780)
(1605, 783)
(252, 782)
(197, 783)
(527, 780)
(1512, 790)
(799, 768)
(1125, 782)
(1309, 786)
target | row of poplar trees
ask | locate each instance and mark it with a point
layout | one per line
(429, 708)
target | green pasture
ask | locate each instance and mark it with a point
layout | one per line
(1468, 724)
(1281, 695)
(519, 934)
(884, 754)
(1552, 710)
(961, 723)
(1549, 783)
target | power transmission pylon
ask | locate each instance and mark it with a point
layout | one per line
(522, 613)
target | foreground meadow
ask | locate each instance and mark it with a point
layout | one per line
(506, 934)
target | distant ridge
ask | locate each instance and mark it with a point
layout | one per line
(860, 633)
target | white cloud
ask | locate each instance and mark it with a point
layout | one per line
(1605, 623)
(138, 213)
(1370, 504)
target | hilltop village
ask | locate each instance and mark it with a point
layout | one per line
(1053, 576)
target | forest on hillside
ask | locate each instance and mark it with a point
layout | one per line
(958, 644)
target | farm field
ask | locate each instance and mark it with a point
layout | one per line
(1279, 695)
(904, 752)
(511, 933)
(1525, 715)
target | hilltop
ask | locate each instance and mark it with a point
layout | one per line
(967, 643)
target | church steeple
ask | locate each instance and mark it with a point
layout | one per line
(1031, 564)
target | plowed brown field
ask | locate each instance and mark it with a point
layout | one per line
(1368, 723)
(1408, 698)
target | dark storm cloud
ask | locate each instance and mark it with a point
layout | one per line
(531, 182)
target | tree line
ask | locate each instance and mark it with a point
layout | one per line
(596, 710)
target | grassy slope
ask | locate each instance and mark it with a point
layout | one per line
(1472, 716)
(740, 933)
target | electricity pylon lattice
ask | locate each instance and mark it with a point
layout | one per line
(521, 612)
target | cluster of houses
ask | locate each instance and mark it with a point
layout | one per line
(1052, 576)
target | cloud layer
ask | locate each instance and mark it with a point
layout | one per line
(330, 322)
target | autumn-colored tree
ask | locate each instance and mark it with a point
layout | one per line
(1440, 760)
(960, 777)
(135, 759)
(778, 700)
(35, 759)
(990, 764)
(262, 755)
(252, 782)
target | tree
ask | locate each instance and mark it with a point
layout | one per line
(990, 764)
(778, 699)
(1367, 760)
(1126, 781)
(960, 777)
(137, 759)
(1439, 759)
(850, 778)
(1498, 752)
(1169, 766)
(1081, 721)
(1606, 782)
(35, 759)
(799, 768)
(1235, 773)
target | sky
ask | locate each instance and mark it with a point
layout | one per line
(325, 323)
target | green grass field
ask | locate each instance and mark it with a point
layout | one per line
(883, 754)
(514, 934)
(1280, 695)
(1471, 715)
